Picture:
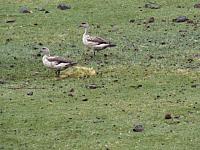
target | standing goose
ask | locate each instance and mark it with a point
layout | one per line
(55, 62)
(94, 42)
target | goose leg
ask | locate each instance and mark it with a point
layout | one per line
(57, 73)
(94, 53)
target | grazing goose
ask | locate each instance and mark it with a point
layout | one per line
(96, 43)
(55, 62)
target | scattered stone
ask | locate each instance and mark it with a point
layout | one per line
(39, 55)
(8, 40)
(180, 19)
(35, 73)
(46, 12)
(98, 26)
(151, 20)
(196, 56)
(63, 6)
(180, 6)
(12, 66)
(24, 10)
(2, 82)
(85, 99)
(168, 116)
(162, 43)
(40, 44)
(190, 21)
(137, 86)
(157, 97)
(177, 117)
(71, 90)
(190, 60)
(73, 45)
(30, 93)
(40, 9)
(197, 5)
(195, 85)
(132, 20)
(71, 94)
(116, 80)
(138, 128)
(10, 21)
(152, 5)
(92, 86)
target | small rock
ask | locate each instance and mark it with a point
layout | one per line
(132, 20)
(71, 90)
(8, 40)
(35, 47)
(151, 20)
(168, 116)
(152, 5)
(38, 55)
(190, 21)
(24, 10)
(98, 26)
(40, 44)
(46, 12)
(12, 66)
(177, 117)
(30, 93)
(35, 73)
(190, 60)
(71, 94)
(10, 21)
(180, 19)
(2, 82)
(137, 86)
(92, 86)
(195, 85)
(197, 5)
(40, 9)
(85, 99)
(63, 6)
(105, 55)
(138, 128)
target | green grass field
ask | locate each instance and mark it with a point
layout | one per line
(154, 70)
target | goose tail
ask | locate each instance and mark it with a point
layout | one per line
(112, 45)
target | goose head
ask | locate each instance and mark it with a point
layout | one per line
(84, 25)
(45, 51)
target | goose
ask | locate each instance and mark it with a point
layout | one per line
(94, 42)
(55, 62)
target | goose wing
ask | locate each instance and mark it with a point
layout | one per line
(97, 40)
(58, 60)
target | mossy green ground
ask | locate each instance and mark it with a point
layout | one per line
(154, 70)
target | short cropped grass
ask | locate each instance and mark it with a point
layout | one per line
(154, 70)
